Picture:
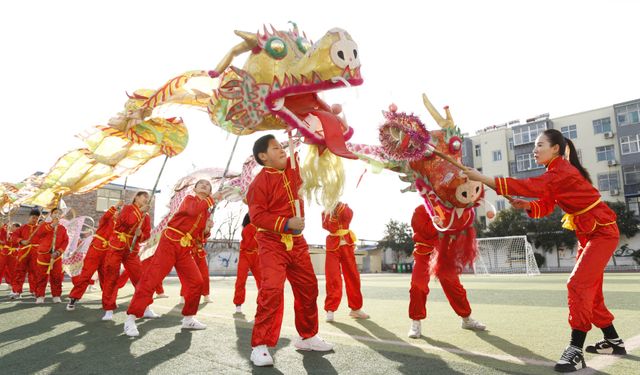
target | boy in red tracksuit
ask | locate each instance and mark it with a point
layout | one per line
(340, 257)
(26, 259)
(200, 256)
(8, 254)
(248, 261)
(425, 238)
(567, 184)
(174, 250)
(283, 253)
(132, 222)
(95, 258)
(49, 256)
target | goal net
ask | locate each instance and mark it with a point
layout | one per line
(505, 256)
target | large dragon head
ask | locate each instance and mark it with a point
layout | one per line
(279, 84)
(404, 137)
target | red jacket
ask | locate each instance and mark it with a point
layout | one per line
(248, 242)
(561, 184)
(105, 228)
(43, 238)
(271, 198)
(338, 226)
(22, 233)
(188, 224)
(425, 235)
(125, 228)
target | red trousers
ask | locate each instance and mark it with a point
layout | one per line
(7, 267)
(93, 261)
(278, 264)
(54, 277)
(124, 276)
(168, 255)
(112, 262)
(586, 301)
(23, 266)
(337, 262)
(203, 267)
(248, 261)
(453, 290)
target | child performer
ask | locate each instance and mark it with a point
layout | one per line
(49, 242)
(248, 261)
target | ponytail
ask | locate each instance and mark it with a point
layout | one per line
(575, 161)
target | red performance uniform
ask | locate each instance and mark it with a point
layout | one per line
(249, 261)
(174, 250)
(426, 239)
(49, 269)
(200, 256)
(119, 252)
(283, 255)
(26, 262)
(124, 276)
(595, 226)
(340, 255)
(96, 255)
(8, 258)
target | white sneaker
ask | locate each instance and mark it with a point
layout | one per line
(108, 315)
(358, 314)
(472, 324)
(330, 316)
(207, 299)
(148, 313)
(25, 295)
(39, 300)
(130, 327)
(315, 343)
(416, 329)
(189, 322)
(91, 288)
(181, 300)
(162, 295)
(57, 300)
(239, 310)
(4, 286)
(14, 295)
(260, 356)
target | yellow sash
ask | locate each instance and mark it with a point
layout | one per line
(285, 238)
(567, 219)
(185, 241)
(344, 232)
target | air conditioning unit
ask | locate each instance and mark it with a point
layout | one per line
(612, 163)
(614, 192)
(608, 135)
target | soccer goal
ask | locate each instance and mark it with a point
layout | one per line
(505, 256)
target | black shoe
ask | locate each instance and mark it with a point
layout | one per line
(570, 360)
(72, 304)
(607, 346)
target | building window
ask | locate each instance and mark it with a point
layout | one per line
(631, 174)
(477, 148)
(605, 153)
(526, 162)
(510, 141)
(527, 134)
(464, 150)
(497, 155)
(602, 125)
(630, 144)
(632, 204)
(579, 152)
(500, 205)
(570, 132)
(628, 114)
(608, 182)
(107, 198)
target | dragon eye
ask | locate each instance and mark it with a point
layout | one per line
(303, 44)
(276, 47)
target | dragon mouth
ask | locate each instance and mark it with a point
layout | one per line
(296, 101)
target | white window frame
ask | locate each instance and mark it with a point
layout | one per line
(628, 114)
(526, 162)
(600, 124)
(604, 153)
(570, 131)
(497, 155)
(107, 198)
(610, 180)
(528, 134)
(630, 144)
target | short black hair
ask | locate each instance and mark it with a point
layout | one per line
(246, 221)
(261, 145)
(54, 210)
(34, 212)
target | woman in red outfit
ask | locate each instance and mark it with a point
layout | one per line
(340, 262)
(567, 184)
(248, 261)
(49, 256)
(174, 250)
(200, 256)
(132, 222)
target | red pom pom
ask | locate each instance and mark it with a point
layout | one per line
(491, 214)
(393, 107)
(214, 74)
(336, 108)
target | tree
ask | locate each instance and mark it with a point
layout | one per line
(397, 237)
(627, 221)
(509, 222)
(547, 232)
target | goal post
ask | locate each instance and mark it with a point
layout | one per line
(511, 255)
